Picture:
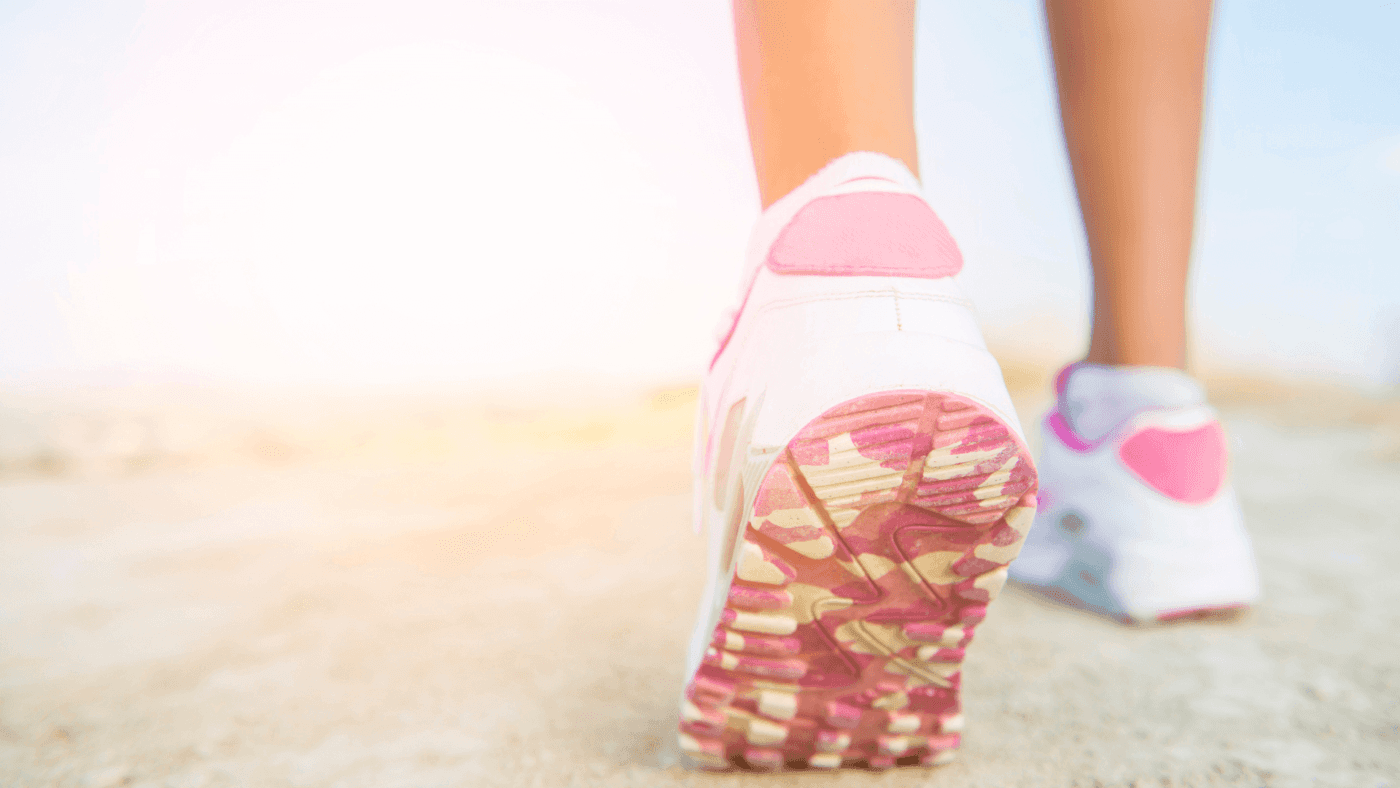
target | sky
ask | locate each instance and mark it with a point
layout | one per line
(372, 193)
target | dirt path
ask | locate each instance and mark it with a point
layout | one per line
(490, 598)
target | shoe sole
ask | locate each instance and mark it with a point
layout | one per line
(1221, 612)
(878, 536)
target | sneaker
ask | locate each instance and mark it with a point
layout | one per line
(1138, 520)
(863, 483)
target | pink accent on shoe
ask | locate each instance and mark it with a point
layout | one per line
(733, 324)
(1062, 377)
(1203, 613)
(1186, 466)
(758, 598)
(1067, 435)
(866, 234)
(896, 514)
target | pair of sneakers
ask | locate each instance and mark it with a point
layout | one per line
(864, 486)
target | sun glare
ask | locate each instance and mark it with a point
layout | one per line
(421, 212)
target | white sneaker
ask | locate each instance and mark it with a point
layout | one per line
(863, 483)
(1137, 516)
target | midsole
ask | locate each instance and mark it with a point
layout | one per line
(808, 379)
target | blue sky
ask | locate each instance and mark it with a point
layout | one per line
(428, 191)
(1298, 247)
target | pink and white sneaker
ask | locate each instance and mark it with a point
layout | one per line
(1137, 516)
(862, 480)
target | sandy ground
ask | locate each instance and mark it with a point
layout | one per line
(207, 590)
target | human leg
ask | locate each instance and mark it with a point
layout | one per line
(823, 78)
(1131, 75)
(1137, 516)
(861, 473)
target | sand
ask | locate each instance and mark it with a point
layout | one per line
(205, 589)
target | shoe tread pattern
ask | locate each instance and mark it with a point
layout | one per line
(876, 541)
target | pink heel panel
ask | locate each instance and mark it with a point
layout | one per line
(866, 234)
(1186, 466)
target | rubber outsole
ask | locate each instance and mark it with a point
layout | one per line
(1224, 612)
(877, 539)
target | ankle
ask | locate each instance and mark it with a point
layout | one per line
(1166, 359)
(1156, 342)
(1096, 398)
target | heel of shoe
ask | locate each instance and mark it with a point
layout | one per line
(874, 542)
(840, 369)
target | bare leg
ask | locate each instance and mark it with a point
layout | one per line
(823, 78)
(1131, 76)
